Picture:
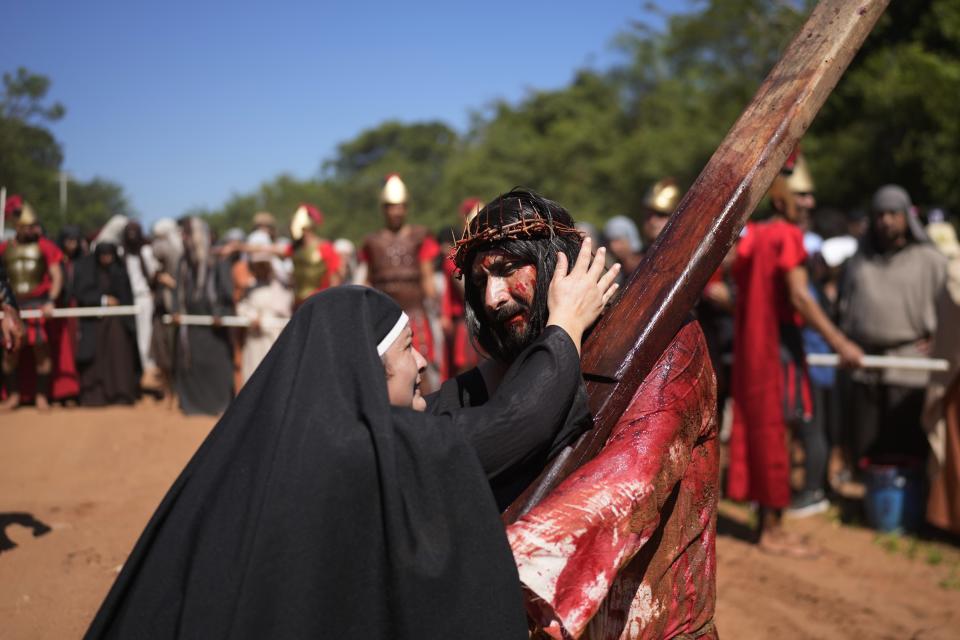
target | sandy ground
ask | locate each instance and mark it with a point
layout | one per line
(94, 476)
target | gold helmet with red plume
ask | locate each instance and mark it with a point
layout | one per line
(27, 216)
(306, 216)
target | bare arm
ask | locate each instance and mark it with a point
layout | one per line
(850, 354)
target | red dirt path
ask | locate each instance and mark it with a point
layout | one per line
(95, 476)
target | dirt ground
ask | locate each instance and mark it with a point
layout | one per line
(94, 476)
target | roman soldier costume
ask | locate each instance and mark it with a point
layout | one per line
(28, 260)
(314, 260)
(394, 259)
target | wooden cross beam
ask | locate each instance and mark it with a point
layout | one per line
(660, 294)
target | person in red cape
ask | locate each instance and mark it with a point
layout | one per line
(65, 383)
(459, 352)
(316, 265)
(399, 260)
(770, 386)
(32, 264)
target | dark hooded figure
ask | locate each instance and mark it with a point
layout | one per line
(315, 509)
(106, 349)
(204, 356)
(71, 242)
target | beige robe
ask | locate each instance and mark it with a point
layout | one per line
(941, 415)
(271, 305)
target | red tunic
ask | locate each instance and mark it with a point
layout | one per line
(459, 354)
(759, 461)
(625, 547)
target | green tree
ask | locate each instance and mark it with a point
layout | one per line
(29, 154)
(31, 158)
(893, 117)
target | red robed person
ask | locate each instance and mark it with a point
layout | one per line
(770, 385)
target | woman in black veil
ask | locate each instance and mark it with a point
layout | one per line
(316, 509)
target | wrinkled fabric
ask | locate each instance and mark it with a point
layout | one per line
(625, 547)
(314, 509)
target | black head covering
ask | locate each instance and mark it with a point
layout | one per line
(316, 510)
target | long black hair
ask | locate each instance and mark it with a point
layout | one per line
(538, 247)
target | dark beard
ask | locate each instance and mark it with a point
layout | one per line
(513, 339)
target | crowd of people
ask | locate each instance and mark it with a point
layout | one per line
(802, 279)
(464, 312)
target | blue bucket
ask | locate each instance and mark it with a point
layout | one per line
(894, 498)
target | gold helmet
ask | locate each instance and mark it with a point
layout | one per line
(394, 191)
(304, 217)
(27, 216)
(663, 196)
(800, 180)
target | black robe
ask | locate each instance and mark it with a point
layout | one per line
(522, 453)
(316, 510)
(107, 358)
(204, 355)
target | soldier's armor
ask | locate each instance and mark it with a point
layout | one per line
(25, 265)
(395, 265)
(309, 269)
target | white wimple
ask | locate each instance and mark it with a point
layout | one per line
(393, 334)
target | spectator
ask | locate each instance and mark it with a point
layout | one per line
(658, 205)
(141, 268)
(63, 332)
(267, 304)
(204, 360)
(888, 306)
(941, 417)
(348, 259)
(168, 250)
(623, 241)
(770, 389)
(282, 266)
(107, 351)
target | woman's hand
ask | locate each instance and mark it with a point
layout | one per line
(577, 296)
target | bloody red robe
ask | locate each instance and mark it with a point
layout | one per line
(624, 548)
(759, 460)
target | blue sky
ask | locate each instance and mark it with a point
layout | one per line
(185, 103)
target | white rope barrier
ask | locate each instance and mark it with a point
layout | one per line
(813, 359)
(130, 310)
(882, 362)
(80, 312)
(225, 321)
(872, 362)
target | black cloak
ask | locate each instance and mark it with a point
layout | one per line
(314, 509)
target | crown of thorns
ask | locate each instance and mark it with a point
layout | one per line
(528, 228)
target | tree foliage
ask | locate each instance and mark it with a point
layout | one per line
(597, 144)
(31, 159)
